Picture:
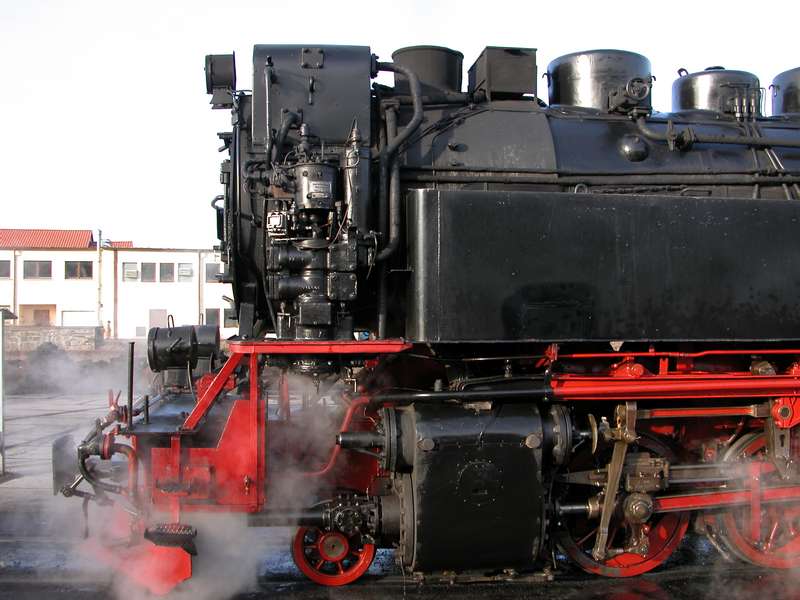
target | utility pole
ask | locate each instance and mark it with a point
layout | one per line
(4, 314)
(100, 278)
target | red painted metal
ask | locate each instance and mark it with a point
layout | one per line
(682, 355)
(724, 499)
(319, 347)
(205, 401)
(158, 569)
(754, 485)
(664, 537)
(686, 386)
(786, 412)
(330, 558)
(628, 368)
(711, 411)
(284, 400)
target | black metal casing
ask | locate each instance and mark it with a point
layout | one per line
(475, 487)
(544, 266)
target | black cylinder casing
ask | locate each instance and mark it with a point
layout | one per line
(474, 498)
(171, 347)
(786, 93)
(439, 69)
(589, 79)
(207, 340)
(716, 89)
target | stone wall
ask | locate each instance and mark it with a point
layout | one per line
(27, 338)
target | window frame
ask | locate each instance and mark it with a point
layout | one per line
(79, 264)
(142, 274)
(38, 264)
(7, 263)
(214, 311)
(186, 266)
(171, 268)
(126, 266)
(213, 279)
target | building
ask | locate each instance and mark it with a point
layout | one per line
(52, 277)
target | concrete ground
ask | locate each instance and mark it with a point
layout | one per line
(40, 537)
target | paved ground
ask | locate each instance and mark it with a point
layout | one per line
(39, 535)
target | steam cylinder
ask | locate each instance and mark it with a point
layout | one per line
(169, 347)
(786, 93)
(439, 69)
(587, 78)
(717, 89)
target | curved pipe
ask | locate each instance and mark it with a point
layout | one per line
(394, 191)
(685, 138)
(91, 479)
(288, 120)
(133, 467)
(348, 419)
(84, 452)
(388, 152)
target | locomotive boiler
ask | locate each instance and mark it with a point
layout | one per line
(479, 328)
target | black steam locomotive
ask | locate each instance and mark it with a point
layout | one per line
(562, 326)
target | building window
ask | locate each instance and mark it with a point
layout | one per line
(78, 269)
(130, 272)
(166, 272)
(185, 271)
(212, 270)
(37, 269)
(231, 319)
(5, 269)
(148, 271)
(212, 316)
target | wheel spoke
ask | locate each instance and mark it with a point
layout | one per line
(340, 567)
(771, 537)
(583, 540)
(319, 564)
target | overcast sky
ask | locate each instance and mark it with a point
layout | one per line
(106, 123)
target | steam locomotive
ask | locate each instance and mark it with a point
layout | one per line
(524, 329)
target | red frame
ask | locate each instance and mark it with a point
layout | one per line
(232, 475)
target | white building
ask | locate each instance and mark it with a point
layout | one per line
(61, 278)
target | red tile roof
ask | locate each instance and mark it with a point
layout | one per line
(75, 239)
(46, 238)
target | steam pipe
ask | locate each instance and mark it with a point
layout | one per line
(394, 226)
(388, 152)
(289, 119)
(133, 467)
(686, 137)
(348, 418)
(309, 517)
(83, 454)
(394, 191)
(491, 394)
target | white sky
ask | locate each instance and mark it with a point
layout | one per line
(106, 123)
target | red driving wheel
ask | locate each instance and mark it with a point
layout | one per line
(778, 546)
(576, 534)
(331, 558)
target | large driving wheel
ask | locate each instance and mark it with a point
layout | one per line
(576, 533)
(777, 544)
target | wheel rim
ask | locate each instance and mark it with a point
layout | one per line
(331, 558)
(779, 544)
(576, 535)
